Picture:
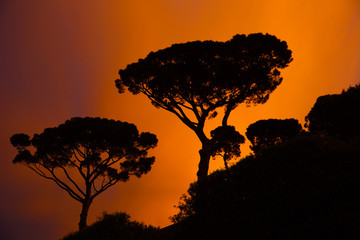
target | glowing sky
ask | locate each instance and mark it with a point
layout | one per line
(59, 59)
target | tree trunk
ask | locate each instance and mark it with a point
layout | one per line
(226, 165)
(204, 163)
(228, 109)
(84, 212)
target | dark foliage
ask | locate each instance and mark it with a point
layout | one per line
(115, 226)
(86, 156)
(225, 142)
(192, 80)
(336, 114)
(266, 133)
(306, 188)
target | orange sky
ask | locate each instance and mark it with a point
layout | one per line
(59, 59)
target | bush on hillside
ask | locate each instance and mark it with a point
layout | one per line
(115, 226)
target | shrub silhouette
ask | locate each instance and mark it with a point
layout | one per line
(336, 114)
(225, 142)
(265, 133)
(115, 226)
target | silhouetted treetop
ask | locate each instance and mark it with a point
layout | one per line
(225, 142)
(209, 74)
(265, 133)
(192, 80)
(56, 145)
(336, 114)
(86, 156)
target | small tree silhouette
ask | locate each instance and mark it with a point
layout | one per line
(86, 156)
(193, 80)
(265, 133)
(225, 141)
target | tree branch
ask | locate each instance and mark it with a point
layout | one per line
(181, 115)
(80, 153)
(71, 180)
(38, 171)
(61, 184)
(105, 162)
(106, 186)
(75, 165)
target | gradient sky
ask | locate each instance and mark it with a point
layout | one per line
(59, 59)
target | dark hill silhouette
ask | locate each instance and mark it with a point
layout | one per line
(306, 188)
(302, 188)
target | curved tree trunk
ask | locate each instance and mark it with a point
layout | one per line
(228, 109)
(226, 165)
(203, 166)
(84, 212)
(204, 163)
